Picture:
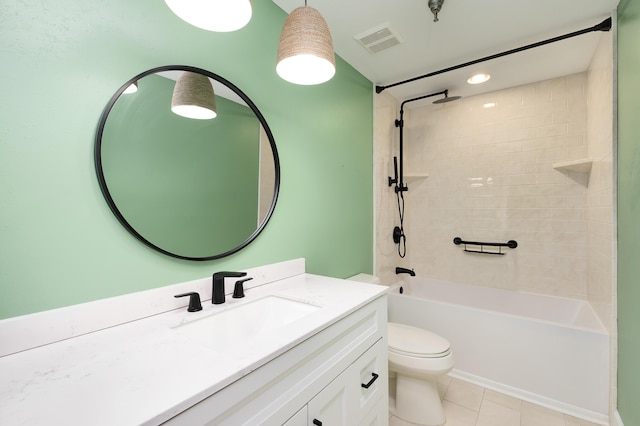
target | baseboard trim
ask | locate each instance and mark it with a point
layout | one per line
(617, 420)
(543, 401)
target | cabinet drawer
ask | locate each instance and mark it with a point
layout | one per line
(360, 390)
(371, 375)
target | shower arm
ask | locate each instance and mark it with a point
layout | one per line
(602, 26)
(400, 186)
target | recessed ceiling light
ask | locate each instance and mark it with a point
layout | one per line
(489, 105)
(478, 78)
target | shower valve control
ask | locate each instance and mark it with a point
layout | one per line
(397, 234)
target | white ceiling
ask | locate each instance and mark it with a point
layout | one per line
(467, 30)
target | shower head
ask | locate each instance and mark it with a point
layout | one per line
(446, 98)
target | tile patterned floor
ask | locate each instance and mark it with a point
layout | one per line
(466, 404)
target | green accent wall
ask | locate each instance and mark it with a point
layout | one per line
(629, 211)
(62, 61)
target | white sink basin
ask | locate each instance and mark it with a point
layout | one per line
(223, 330)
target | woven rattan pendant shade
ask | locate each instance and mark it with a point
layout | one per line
(193, 97)
(213, 15)
(305, 51)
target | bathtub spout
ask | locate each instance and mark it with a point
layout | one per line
(400, 270)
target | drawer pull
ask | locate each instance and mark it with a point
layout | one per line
(373, 379)
(317, 422)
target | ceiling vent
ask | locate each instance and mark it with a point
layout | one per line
(379, 38)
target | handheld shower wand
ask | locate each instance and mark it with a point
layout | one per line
(395, 172)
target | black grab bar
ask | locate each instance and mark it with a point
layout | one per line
(511, 244)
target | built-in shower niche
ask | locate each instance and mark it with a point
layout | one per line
(578, 170)
(415, 177)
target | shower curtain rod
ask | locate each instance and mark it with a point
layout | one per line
(602, 26)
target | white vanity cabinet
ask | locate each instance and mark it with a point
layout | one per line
(321, 379)
(297, 348)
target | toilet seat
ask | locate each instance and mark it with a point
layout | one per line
(416, 358)
(416, 342)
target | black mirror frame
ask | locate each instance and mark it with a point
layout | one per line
(103, 184)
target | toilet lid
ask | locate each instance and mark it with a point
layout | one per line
(414, 341)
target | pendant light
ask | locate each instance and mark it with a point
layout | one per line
(193, 97)
(305, 51)
(213, 15)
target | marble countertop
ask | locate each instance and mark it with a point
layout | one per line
(145, 372)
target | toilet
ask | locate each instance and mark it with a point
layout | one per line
(416, 358)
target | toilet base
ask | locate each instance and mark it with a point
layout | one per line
(418, 401)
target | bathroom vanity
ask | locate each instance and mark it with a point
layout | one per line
(299, 349)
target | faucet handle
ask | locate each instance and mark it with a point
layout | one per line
(238, 290)
(194, 301)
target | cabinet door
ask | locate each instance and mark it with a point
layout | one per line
(331, 406)
(298, 419)
(372, 386)
(379, 416)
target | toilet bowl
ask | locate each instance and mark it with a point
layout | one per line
(416, 358)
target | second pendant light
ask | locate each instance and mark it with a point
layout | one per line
(305, 51)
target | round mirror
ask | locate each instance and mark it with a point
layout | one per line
(196, 189)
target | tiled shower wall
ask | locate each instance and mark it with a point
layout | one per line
(601, 199)
(601, 193)
(491, 178)
(386, 209)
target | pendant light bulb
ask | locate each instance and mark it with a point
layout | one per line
(193, 97)
(305, 51)
(213, 15)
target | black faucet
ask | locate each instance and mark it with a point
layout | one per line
(217, 294)
(400, 270)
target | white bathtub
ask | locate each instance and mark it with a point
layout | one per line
(552, 351)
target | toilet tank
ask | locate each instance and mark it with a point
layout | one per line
(365, 278)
